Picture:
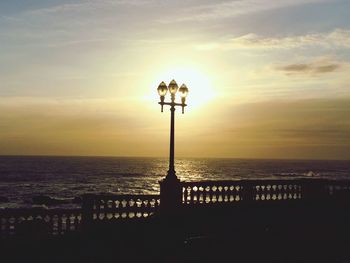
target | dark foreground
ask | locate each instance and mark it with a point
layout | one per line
(295, 231)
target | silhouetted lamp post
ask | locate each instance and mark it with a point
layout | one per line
(162, 91)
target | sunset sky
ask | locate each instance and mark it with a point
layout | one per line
(267, 78)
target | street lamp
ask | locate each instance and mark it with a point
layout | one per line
(162, 91)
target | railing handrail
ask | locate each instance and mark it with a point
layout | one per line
(37, 211)
(265, 181)
(123, 196)
(108, 206)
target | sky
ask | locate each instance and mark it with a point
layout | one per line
(266, 78)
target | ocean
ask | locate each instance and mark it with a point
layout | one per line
(62, 179)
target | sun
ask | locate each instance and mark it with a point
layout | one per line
(198, 83)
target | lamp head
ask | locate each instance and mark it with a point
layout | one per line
(183, 91)
(162, 90)
(173, 87)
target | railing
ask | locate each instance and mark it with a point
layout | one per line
(38, 222)
(277, 190)
(233, 192)
(210, 192)
(114, 207)
(41, 222)
(338, 188)
(109, 208)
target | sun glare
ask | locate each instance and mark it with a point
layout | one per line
(199, 85)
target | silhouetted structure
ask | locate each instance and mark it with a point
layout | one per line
(183, 196)
(210, 217)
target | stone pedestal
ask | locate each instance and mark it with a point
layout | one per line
(170, 194)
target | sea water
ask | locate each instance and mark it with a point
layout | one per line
(23, 178)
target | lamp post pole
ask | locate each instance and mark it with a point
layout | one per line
(162, 91)
(171, 171)
(170, 187)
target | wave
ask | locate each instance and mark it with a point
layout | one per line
(58, 181)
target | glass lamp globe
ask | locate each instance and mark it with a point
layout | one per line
(183, 91)
(162, 89)
(173, 87)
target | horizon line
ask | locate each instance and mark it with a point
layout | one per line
(164, 157)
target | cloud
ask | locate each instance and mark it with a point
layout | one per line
(314, 68)
(76, 126)
(308, 118)
(312, 128)
(227, 9)
(290, 128)
(87, 5)
(339, 38)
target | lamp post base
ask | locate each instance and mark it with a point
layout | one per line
(171, 175)
(170, 193)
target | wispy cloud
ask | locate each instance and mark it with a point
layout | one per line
(31, 125)
(87, 5)
(313, 68)
(226, 9)
(314, 122)
(339, 38)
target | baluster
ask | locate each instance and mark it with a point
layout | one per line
(143, 205)
(210, 194)
(137, 208)
(270, 187)
(232, 192)
(268, 192)
(113, 208)
(119, 206)
(263, 192)
(59, 224)
(195, 194)
(280, 192)
(185, 195)
(191, 195)
(285, 192)
(64, 223)
(206, 194)
(117, 210)
(76, 222)
(130, 208)
(214, 194)
(290, 196)
(16, 223)
(105, 208)
(13, 225)
(68, 222)
(124, 208)
(258, 192)
(220, 194)
(149, 206)
(274, 196)
(52, 225)
(6, 227)
(201, 195)
(225, 197)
